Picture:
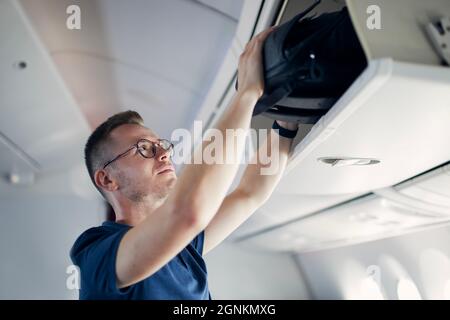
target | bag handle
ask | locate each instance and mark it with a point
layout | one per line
(269, 100)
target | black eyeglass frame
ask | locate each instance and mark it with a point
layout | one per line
(136, 145)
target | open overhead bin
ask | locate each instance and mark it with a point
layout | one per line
(311, 59)
(392, 121)
(309, 62)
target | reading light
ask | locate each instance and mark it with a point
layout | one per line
(346, 161)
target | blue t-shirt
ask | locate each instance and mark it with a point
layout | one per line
(95, 251)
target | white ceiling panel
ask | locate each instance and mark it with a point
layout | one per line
(39, 114)
(230, 8)
(157, 57)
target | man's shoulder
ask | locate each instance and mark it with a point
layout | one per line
(89, 237)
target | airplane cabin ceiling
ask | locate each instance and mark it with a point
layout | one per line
(156, 57)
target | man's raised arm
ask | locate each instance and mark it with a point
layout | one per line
(254, 189)
(200, 189)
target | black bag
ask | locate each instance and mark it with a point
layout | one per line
(308, 64)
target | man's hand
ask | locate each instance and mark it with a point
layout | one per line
(250, 68)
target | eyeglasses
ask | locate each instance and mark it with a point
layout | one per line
(146, 148)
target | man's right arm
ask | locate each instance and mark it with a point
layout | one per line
(200, 189)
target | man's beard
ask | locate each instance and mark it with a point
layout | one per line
(141, 193)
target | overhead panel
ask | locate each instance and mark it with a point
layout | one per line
(38, 113)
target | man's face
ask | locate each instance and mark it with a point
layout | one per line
(138, 177)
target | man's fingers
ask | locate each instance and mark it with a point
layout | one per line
(257, 41)
(260, 38)
(263, 35)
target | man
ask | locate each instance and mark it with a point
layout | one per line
(163, 224)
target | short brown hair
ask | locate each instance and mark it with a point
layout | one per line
(96, 151)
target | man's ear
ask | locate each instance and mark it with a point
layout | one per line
(104, 181)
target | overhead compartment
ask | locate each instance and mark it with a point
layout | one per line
(375, 216)
(429, 191)
(392, 122)
(390, 125)
(395, 114)
(372, 30)
(310, 60)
